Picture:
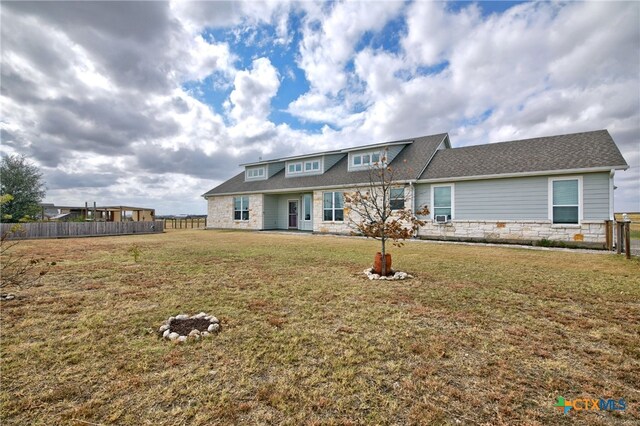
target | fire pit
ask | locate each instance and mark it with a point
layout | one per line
(182, 327)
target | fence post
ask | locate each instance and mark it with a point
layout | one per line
(627, 240)
(609, 234)
(619, 237)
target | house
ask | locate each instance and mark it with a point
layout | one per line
(556, 188)
(100, 213)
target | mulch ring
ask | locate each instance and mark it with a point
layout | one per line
(184, 326)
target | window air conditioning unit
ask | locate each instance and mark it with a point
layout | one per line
(441, 218)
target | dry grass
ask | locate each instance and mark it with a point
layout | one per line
(482, 336)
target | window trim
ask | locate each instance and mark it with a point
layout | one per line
(304, 208)
(404, 198)
(312, 162)
(303, 167)
(333, 207)
(361, 155)
(242, 197)
(294, 164)
(453, 198)
(258, 176)
(550, 200)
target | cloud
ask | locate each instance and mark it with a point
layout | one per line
(56, 179)
(95, 92)
(253, 91)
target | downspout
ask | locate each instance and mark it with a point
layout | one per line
(611, 198)
(413, 204)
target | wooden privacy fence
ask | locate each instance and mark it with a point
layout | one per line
(80, 229)
(187, 223)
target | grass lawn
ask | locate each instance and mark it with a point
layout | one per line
(481, 335)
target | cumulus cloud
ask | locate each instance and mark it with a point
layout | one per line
(253, 91)
(95, 92)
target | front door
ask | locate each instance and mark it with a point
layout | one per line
(293, 214)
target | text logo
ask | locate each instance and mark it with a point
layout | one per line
(589, 404)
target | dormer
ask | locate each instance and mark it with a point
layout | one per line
(255, 173)
(304, 167)
(365, 157)
(311, 165)
(261, 171)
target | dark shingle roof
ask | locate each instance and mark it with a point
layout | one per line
(553, 153)
(409, 164)
(563, 152)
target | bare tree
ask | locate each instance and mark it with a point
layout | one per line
(377, 209)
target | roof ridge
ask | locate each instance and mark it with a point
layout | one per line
(529, 139)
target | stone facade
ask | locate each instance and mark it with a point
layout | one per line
(220, 213)
(319, 224)
(588, 233)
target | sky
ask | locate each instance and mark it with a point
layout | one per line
(154, 103)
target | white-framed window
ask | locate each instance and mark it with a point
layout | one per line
(396, 198)
(241, 208)
(312, 166)
(365, 159)
(255, 173)
(295, 168)
(565, 200)
(306, 207)
(333, 206)
(442, 202)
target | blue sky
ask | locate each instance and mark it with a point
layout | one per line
(154, 103)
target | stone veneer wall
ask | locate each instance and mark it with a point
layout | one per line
(319, 225)
(220, 213)
(589, 233)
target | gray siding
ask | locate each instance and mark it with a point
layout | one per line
(523, 198)
(422, 196)
(331, 160)
(595, 196)
(270, 203)
(276, 211)
(274, 168)
(502, 199)
(393, 151)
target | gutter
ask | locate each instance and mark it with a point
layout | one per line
(303, 189)
(524, 174)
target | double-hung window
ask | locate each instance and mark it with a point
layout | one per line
(333, 204)
(565, 198)
(241, 208)
(442, 202)
(396, 198)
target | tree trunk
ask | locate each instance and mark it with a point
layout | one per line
(383, 270)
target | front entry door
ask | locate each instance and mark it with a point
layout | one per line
(293, 215)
